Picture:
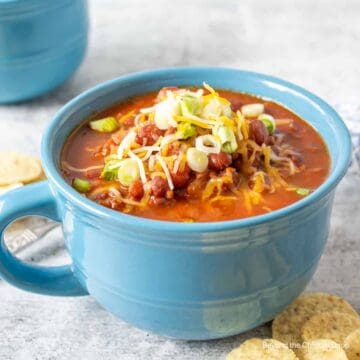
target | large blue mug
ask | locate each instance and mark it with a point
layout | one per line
(187, 281)
(42, 43)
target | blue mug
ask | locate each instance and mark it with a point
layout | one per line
(42, 43)
(181, 280)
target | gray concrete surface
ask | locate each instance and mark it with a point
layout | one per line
(313, 43)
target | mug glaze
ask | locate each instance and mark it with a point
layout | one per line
(42, 43)
(187, 281)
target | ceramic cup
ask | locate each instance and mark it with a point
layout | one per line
(182, 280)
(42, 43)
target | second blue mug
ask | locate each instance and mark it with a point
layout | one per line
(42, 43)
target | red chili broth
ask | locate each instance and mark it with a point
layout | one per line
(305, 139)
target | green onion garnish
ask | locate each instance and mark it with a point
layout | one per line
(303, 191)
(190, 105)
(128, 172)
(105, 125)
(268, 121)
(82, 186)
(227, 138)
(185, 130)
(110, 171)
(197, 160)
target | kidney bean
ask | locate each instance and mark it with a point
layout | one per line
(136, 190)
(148, 134)
(259, 132)
(181, 179)
(219, 161)
(159, 187)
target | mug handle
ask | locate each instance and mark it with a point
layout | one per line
(35, 199)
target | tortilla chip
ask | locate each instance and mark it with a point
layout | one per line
(332, 325)
(18, 168)
(262, 349)
(286, 327)
(323, 349)
(352, 345)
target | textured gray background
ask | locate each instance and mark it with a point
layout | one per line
(315, 44)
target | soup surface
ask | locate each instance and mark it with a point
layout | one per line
(195, 155)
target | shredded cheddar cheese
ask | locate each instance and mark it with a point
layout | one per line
(191, 130)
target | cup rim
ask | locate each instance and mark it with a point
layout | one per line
(328, 185)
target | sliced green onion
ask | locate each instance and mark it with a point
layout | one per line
(190, 105)
(185, 130)
(269, 122)
(228, 148)
(252, 110)
(197, 160)
(208, 144)
(128, 172)
(82, 186)
(212, 109)
(110, 171)
(105, 125)
(303, 191)
(227, 138)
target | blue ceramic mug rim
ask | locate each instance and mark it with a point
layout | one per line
(53, 174)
